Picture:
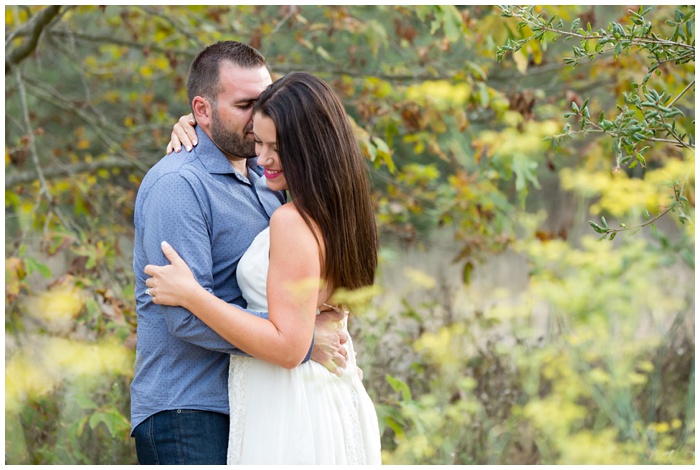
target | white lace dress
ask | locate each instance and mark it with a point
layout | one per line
(301, 416)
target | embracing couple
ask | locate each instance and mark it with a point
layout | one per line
(235, 284)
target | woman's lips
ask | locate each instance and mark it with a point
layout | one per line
(272, 174)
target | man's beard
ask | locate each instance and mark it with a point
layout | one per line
(229, 142)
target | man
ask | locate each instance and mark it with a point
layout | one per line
(209, 205)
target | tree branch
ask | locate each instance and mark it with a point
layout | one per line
(34, 28)
(30, 135)
(155, 13)
(82, 167)
(44, 187)
(102, 130)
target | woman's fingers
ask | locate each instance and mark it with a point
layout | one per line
(175, 145)
(170, 253)
(183, 134)
(151, 270)
(189, 129)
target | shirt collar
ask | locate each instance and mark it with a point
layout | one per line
(214, 159)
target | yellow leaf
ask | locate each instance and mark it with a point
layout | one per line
(146, 71)
(536, 52)
(419, 277)
(57, 305)
(520, 61)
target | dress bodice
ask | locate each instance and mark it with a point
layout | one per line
(283, 416)
(252, 272)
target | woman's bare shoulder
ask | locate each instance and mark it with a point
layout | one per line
(286, 214)
(291, 237)
(288, 219)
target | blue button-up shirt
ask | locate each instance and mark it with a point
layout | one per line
(210, 214)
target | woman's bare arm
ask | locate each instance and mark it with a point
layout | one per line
(292, 288)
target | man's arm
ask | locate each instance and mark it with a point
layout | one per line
(173, 211)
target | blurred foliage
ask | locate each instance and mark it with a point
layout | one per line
(593, 363)
(474, 120)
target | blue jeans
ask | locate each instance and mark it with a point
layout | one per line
(182, 437)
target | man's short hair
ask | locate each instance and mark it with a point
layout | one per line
(203, 78)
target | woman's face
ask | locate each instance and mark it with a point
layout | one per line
(266, 149)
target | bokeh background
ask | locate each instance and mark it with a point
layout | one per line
(533, 176)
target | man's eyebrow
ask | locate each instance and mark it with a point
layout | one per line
(246, 100)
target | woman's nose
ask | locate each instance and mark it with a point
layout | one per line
(264, 156)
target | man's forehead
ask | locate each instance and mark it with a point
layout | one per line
(246, 82)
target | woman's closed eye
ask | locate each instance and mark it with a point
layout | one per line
(272, 147)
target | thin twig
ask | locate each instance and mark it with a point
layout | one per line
(584, 37)
(648, 222)
(44, 188)
(56, 99)
(691, 84)
(70, 170)
(292, 11)
(95, 39)
(176, 27)
(30, 134)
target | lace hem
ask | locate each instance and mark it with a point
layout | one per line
(349, 404)
(237, 374)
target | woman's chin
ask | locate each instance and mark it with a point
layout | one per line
(276, 185)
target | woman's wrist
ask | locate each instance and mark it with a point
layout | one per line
(192, 296)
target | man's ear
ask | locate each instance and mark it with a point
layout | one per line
(202, 110)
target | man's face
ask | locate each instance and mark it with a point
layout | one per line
(232, 114)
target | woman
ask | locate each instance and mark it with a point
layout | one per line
(324, 240)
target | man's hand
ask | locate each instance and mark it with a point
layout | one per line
(328, 342)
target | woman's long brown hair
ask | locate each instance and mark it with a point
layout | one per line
(325, 173)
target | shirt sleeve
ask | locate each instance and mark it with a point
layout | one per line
(176, 213)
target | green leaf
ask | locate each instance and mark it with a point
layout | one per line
(396, 427)
(467, 272)
(85, 402)
(597, 227)
(33, 265)
(111, 418)
(324, 53)
(399, 387)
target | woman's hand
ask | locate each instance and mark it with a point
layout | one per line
(183, 134)
(173, 284)
(329, 342)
